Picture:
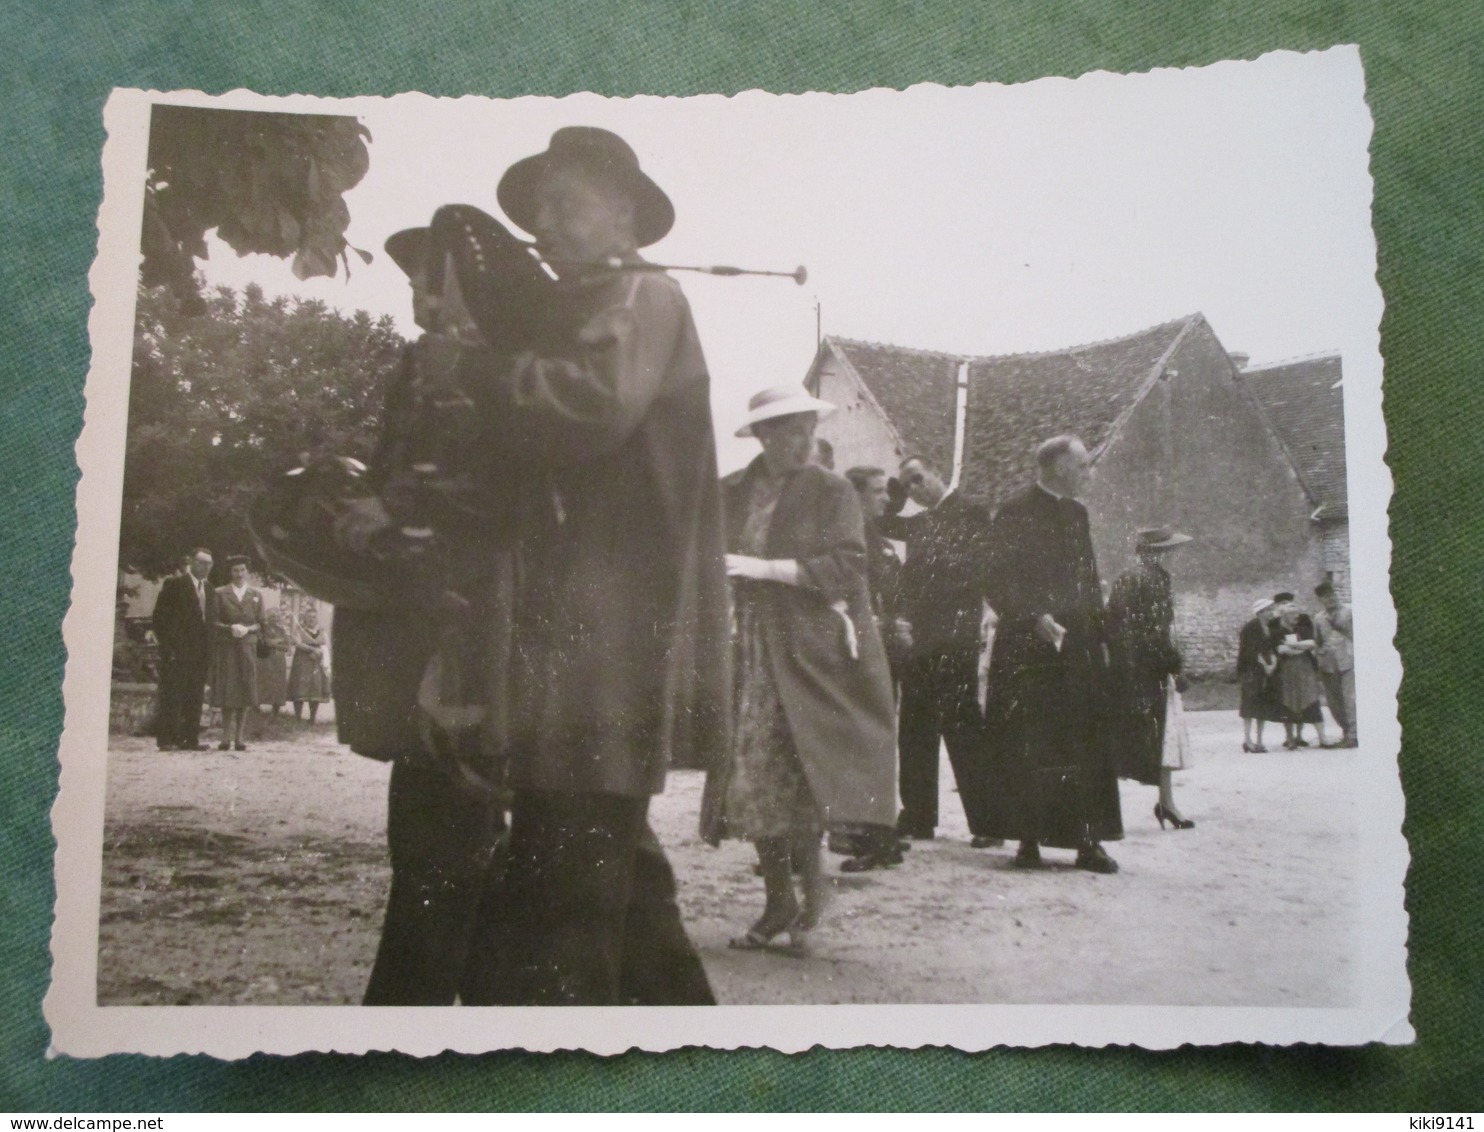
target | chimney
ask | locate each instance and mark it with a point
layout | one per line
(1239, 360)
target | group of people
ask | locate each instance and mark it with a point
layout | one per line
(854, 666)
(1285, 659)
(583, 604)
(222, 637)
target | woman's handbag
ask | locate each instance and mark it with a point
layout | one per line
(1176, 752)
(264, 649)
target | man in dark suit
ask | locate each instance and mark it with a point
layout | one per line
(1055, 778)
(941, 596)
(181, 619)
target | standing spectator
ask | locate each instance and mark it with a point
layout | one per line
(942, 598)
(273, 662)
(237, 627)
(1145, 672)
(309, 682)
(1335, 629)
(1298, 672)
(872, 849)
(182, 626)
(1256, 665)
(1058, 780)
(813, 746)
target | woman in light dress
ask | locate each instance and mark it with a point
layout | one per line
(814, 747)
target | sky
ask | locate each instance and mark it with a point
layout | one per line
(977, 220)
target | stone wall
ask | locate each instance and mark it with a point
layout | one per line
(1196, 455)
(1335, 552)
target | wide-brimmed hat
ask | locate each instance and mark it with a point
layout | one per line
(1261, 605)
(409, 249)
(1159, 538)
(781, 401)
(602, 152)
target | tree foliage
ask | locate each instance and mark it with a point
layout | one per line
(268, 183)
(223, 401)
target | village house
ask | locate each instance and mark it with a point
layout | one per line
(1179, 433)
(1303, 401)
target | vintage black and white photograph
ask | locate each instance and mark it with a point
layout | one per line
(911, 561)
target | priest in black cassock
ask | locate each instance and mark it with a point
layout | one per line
(1057, 783)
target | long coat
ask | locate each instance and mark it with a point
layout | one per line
(380, 654)
(840, 709)
(234, 668)
(1259, 690)
(620, 665)
(1053, 771)
(1143, 656)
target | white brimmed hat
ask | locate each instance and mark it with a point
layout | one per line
(1260, 604)
(781, 401)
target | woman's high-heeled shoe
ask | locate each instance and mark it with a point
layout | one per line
(1170, 816)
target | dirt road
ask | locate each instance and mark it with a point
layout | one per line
(259, 878)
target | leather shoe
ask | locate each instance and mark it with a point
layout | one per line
(868, 861)
(1028, 856)
(987, 842)
(1094, 860)
(165, 746)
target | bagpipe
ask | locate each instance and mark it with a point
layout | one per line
(486, 292)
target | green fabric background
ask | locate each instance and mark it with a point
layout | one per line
(1425, 67)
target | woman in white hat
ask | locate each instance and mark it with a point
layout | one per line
(814, 746)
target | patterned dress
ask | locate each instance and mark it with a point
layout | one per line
(768, 794)
(1297, 678)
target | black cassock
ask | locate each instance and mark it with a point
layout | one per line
(1053, 772)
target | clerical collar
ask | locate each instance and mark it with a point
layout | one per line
(1054, 494)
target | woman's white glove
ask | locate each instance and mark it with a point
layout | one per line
(239, 631)
(782, 570)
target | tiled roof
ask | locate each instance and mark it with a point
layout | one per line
(916, 389)
(1015, 400)
(1018, 400)
(1304, 403)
